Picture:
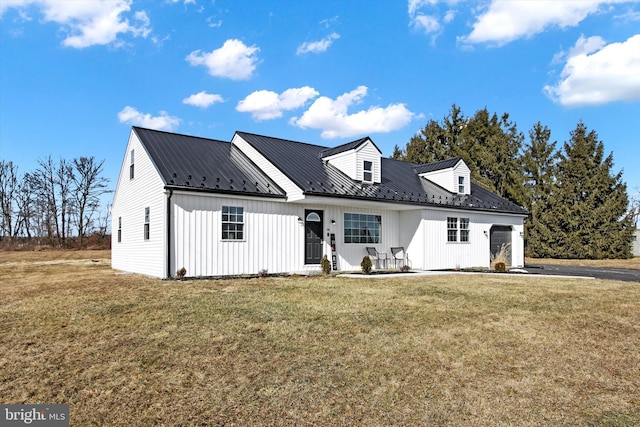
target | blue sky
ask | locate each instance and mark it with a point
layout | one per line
(76, 75)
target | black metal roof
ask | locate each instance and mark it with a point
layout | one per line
(193, 163)
(202, 164)
(346, 147)
(302, 164)
(436, 166)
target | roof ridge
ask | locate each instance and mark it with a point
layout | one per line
(281, 139)
(178, 134)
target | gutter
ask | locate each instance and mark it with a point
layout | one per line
(169, 233)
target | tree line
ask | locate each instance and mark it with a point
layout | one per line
(579, 208)
(57, 202)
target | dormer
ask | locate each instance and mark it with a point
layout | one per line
(453, 174)
(359, 160)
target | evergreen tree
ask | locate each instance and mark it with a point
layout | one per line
(427, 145)
(539, 162)
(590, 205)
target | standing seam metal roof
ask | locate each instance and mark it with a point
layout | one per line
(200, 164)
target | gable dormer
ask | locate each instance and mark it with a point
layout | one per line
(453, 174)
(359, 160)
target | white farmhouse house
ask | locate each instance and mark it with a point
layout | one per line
(260, 203)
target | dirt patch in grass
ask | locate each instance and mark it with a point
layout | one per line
(440, 350)
(632, 263)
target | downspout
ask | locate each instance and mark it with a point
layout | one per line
(169, 233)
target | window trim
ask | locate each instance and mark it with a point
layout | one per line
(131, 166)
(461, 184)
(119, 229)
(368, 171)
(458, 229)
(147, 222)
(234, 223)
(353, 222)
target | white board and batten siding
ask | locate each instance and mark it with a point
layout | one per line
(273, 240)
(429, 249)
(146, 190)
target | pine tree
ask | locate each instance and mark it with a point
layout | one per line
(539, 162)
(590, 217)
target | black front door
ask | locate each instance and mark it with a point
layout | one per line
(312, 236)
(500, 235)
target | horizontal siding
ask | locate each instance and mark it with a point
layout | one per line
(134, 253)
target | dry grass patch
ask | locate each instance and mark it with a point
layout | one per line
(448, 350)
(633, 263)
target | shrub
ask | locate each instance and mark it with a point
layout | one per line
(405, 268)
(366, 265)
(181, 273)
(502, 258)
(326, 265)
(263, 273)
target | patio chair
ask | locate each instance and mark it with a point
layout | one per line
(398, 254)
(377, 257)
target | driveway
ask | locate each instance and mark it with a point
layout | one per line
(624, 274)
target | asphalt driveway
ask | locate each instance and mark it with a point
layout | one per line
(624, 274)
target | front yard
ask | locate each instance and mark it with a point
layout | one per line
(442, 350)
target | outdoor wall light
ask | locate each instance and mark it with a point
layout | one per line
(300, 220)
(486, 234)
(333, 222)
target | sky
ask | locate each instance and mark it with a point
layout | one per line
(76, 75)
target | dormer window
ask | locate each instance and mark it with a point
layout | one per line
(131, 165)
(367, 172)
(461, 184)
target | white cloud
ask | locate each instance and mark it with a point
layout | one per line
(89, 22)
(267, 105)
(332, 116)
(133, 117)
(318, 46)
(596, 73)
(233, 60)
(506, 21)
(202, 99)
(433, 21)
(426, 23)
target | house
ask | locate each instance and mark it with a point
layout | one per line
(636, 242)
(261, 203)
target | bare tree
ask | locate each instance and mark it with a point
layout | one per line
(9, 187)
(88, 186)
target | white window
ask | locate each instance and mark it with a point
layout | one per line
(455, 225)
(367, 171)
(131, 165)
(232, 223)
(146, 223)
(452, 229)
(464, 229)
(461, 184)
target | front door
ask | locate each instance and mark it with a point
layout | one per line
(312, 236)
(500, 235)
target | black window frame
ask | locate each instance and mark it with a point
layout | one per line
(232, 223)
(119, 229)
(362, 228)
